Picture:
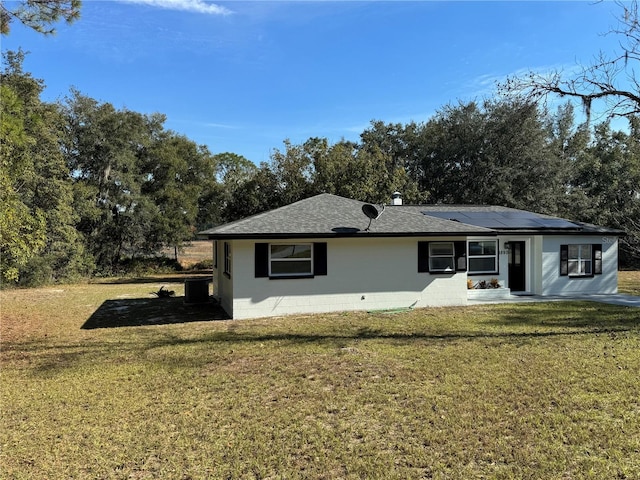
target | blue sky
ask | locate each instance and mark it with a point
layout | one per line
(244, 76)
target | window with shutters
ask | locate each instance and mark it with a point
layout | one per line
(580, 260)
(290, 260)
(442, 257)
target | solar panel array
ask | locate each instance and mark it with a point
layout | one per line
(508, 219)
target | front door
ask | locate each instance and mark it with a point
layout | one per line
(517, 279)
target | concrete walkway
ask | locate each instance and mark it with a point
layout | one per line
(617, 299)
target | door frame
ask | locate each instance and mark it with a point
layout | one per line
(524, 262)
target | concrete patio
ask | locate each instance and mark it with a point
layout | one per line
(616, 299)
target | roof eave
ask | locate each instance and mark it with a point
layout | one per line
(577, 231)
(359, 234)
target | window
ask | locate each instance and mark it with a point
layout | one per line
(580, 260)
(441, 257)
(215, 254)
(227, 259)
(483, 256)
(290, 260)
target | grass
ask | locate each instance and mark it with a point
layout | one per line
(629, 282)
(545, 390)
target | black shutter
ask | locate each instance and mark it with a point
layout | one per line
(262, 260)
(564, 260)
(423, 256)
(320, 258)
(460, 252)
(596, 252)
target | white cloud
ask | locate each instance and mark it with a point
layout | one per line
(197, 6)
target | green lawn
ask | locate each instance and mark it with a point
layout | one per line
(629, 282)
(539, 391)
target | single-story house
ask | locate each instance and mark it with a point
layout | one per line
(329, 253)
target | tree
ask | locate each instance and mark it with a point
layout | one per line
(611, 78)
(293, 170)
(568, 148)
(258, 194)
(104, 148)
(39, 14)
(228, 173)
(400, 145)
(39, 239)
(495, 153)
(22, 231)
(517, 168)
(610, 177)
(174, 172)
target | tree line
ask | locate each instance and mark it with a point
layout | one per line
(86, 187)
(500, 151)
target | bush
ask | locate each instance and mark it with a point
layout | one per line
(202, 265)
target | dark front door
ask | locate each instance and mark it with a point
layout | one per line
(517, 279)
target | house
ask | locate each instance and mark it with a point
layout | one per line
(329, 253)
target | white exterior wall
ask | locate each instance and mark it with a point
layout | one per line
(531, 253)
(554, 284)
(382, 273)
(542, 265)
(537, 273)
(215, 280)
(362, 274)
(223, 284)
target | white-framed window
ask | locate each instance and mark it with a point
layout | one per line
(227, 258)
(441, 257)
(483, 256)
(580, 258)
(215, 254)
(291, 259)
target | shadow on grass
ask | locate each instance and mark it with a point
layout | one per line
(514, 325)
(152, 311)
(492, 328)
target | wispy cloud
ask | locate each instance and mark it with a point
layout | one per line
(196, 6)
(221, 125)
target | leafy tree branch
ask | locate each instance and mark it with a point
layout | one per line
(39, 14)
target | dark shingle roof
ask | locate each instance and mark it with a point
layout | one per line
(327, 215)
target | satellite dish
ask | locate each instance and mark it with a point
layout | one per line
(370, 211)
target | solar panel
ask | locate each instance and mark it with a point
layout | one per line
(508, 219)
